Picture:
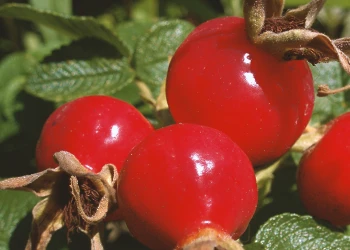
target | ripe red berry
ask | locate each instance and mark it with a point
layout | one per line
(182, 179)
(96, 129)
(324, 175)
(219, 79)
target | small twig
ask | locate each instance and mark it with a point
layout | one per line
(324, 90)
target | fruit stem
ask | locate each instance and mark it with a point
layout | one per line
(210, 239)
(309, 138)
(323, 90)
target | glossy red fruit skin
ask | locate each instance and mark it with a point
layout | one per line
(324, 175)
(219, 79)
(183, 178)
(96, 129)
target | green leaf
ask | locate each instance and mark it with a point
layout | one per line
(145, 10)
(292, 231)
(156, 47)
(9, 105)
(282, 197)
(65, 81)
(73, 27)
(233, 7)
(129, 93)
(64, 7)
(264, 178)
(346, 24)
(254, 246)
(130, 33)
(15, 205)
(202, 10)
(327, 108)
(339, 3)
(12, 78)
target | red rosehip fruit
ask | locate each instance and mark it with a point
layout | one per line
(218, 78)
(183, 179)
(324, 174)
(96, 129)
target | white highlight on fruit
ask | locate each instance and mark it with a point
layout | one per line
(246, 58)
(114, 134)
(202, 165)
(249, 77)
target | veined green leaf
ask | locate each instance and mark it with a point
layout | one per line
(65, 81)
(156, 47)
(14, 207)
(292, 231)
(62, 7)
(329, 107)
(131, 32)
(72, 26)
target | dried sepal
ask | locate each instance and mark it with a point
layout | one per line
(39, 183)
(254, 15)
(70, 164)
(274, 9)
(343, 44)
(95, 233)
(47, 219)
(94, 194)
(307, 12)
(209, 239)
(93, 209)
(75, 197)
(290, 37)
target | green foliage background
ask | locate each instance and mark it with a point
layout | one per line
(52, 51)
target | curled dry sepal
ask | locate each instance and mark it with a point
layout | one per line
(74, 197)
(291, 37)
(209, 239)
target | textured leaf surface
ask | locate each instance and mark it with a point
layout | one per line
(74, 27)
(131, 32)
(327, 108)
(15, 205)
(292, 231)
(62, 7)
(65, 81)
(156, 47)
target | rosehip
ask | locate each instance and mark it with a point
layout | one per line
(96, 129)
(219, 79)
(324, 174)
(183, 179)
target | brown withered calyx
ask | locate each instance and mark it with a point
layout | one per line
(290, 36)
(72, 196)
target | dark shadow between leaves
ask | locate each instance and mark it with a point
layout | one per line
(59, 241)
(125, 242)
(17, 153)
(83, 49)
(284, 199)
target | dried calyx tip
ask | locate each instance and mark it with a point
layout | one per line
(290, 36)
(324, 90)
(210, 239)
